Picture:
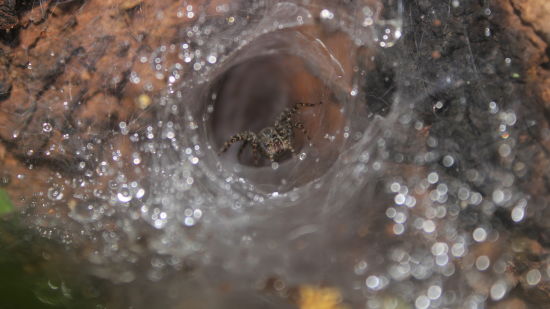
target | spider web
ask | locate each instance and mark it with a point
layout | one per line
(413, 165)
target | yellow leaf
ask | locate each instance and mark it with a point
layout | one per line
(312, 297)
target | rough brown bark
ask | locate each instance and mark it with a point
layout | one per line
(65, 69)
(8, 16)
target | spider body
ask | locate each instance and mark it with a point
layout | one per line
(273, 141)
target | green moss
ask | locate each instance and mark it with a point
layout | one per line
(5, 203)
(39, 273)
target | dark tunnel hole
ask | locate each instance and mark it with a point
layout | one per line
(251, 96)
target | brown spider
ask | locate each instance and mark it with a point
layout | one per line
(271, 142)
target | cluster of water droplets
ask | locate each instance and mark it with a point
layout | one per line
(367, 22)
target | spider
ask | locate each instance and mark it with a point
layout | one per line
(273, 141)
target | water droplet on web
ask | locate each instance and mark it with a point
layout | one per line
(85, 211)
(103, 168)
(274, 165)
(331, 138)
(389, 36)
(302, 156)
(482, 262)
(189, 221)
(479, 234)
(140, 193)
(498, 290)
(124, 194)
(55, 193)
(123, 128)
(433, 177)
(47, 127)
(434, 292)
(136, 158)
(493, 107)
(212, 59)
(326, 14)
(518, 213)
(533, 277)
(360, 268)
(422, 302)
(448, 161)
(53, 285)
(155, 216)
(437, 106)
(5, 179)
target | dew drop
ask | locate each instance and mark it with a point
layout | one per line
(448, 161)
(136, 158)
(434, 292)
(55, 193)
(422, 302)
(482, 262)
(518, 213)
(498, 290)
(326, 14)
(533, 277)
(479, 234)
(85, 211)
(360, 268)
(212, 59)
(47, 127)
(103, 168)
(124, 195)
(373, 282)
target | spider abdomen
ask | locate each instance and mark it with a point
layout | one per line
(275, 141)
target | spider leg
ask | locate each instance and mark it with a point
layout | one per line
(301, 126)
(301, 104)
(292, 150)
(287, 114)
(246, 135)
(241, 149)
(255, 152)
